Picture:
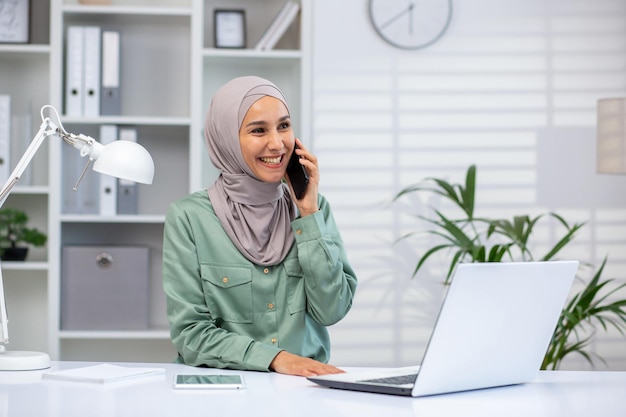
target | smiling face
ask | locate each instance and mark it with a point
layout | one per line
(266, 139)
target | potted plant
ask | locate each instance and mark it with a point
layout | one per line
(14, 235)
(466, 237)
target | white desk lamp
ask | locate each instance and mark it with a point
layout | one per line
(611, 136)
(123, 159)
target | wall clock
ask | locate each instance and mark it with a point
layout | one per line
(410, 24)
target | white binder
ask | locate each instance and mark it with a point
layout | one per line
(110, 100)
(127, 190)
(74, 71)
(108, 184)
(5, 137)
(92, 64)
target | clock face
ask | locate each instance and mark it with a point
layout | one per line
(410, 24)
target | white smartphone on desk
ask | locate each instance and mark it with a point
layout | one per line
(208, 381)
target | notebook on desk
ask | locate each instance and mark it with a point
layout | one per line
(493, 329)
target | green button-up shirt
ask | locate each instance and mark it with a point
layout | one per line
(227, 312)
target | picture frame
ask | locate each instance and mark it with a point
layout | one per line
(229, 28)
(14, 21)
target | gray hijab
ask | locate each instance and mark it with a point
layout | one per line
(256, 215)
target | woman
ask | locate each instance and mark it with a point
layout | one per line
(253, 275)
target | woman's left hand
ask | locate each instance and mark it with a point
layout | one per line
(308, 203)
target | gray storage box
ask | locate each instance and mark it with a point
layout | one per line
(105, 288)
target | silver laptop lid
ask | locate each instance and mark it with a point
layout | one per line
(495, 325)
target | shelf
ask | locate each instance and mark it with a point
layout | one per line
(128, 120)
(169, 71)
(31, 190)
(95, 218)
(115, 334)
(24, 266)
(154, 60)
(127, 10)
(251, 53)
(28, 48)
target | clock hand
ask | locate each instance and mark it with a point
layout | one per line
(409, 9)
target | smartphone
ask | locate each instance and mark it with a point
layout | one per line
(297, 175)
(196, 381)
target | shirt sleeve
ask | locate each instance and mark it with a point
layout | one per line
(330, 281)
(199, 341)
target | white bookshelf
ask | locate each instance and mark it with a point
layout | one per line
(169, 71)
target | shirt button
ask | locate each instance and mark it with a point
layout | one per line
(270, 306)
(274, 340)
(266, 271)
(299, 231)
(225, 280)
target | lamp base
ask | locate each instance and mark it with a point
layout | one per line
(23, 361)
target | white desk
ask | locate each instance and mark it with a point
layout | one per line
(570, 394)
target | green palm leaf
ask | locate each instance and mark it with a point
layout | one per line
(467, 238)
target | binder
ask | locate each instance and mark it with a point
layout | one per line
(5, 137)
(70, 171)
(21, 137)
(85, 199)
(279, 25)
(108, 184)
(127, 190)
(110, 99)
(91, 57)
(74, 71)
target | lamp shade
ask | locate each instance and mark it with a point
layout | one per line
(127, 160)
(611, 136)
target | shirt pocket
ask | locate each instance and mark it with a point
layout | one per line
(296, 296)
(228, 292)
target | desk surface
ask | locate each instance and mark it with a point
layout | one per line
(560, 393)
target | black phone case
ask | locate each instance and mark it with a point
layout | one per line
(297, 175)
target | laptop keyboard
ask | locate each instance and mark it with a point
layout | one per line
(393, 380)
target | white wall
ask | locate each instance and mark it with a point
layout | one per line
(512, 87)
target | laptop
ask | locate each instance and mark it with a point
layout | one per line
(493, 329)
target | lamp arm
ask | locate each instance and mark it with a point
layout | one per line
(47, 128)
(4, 337)
(4, 321)
(87, 146)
